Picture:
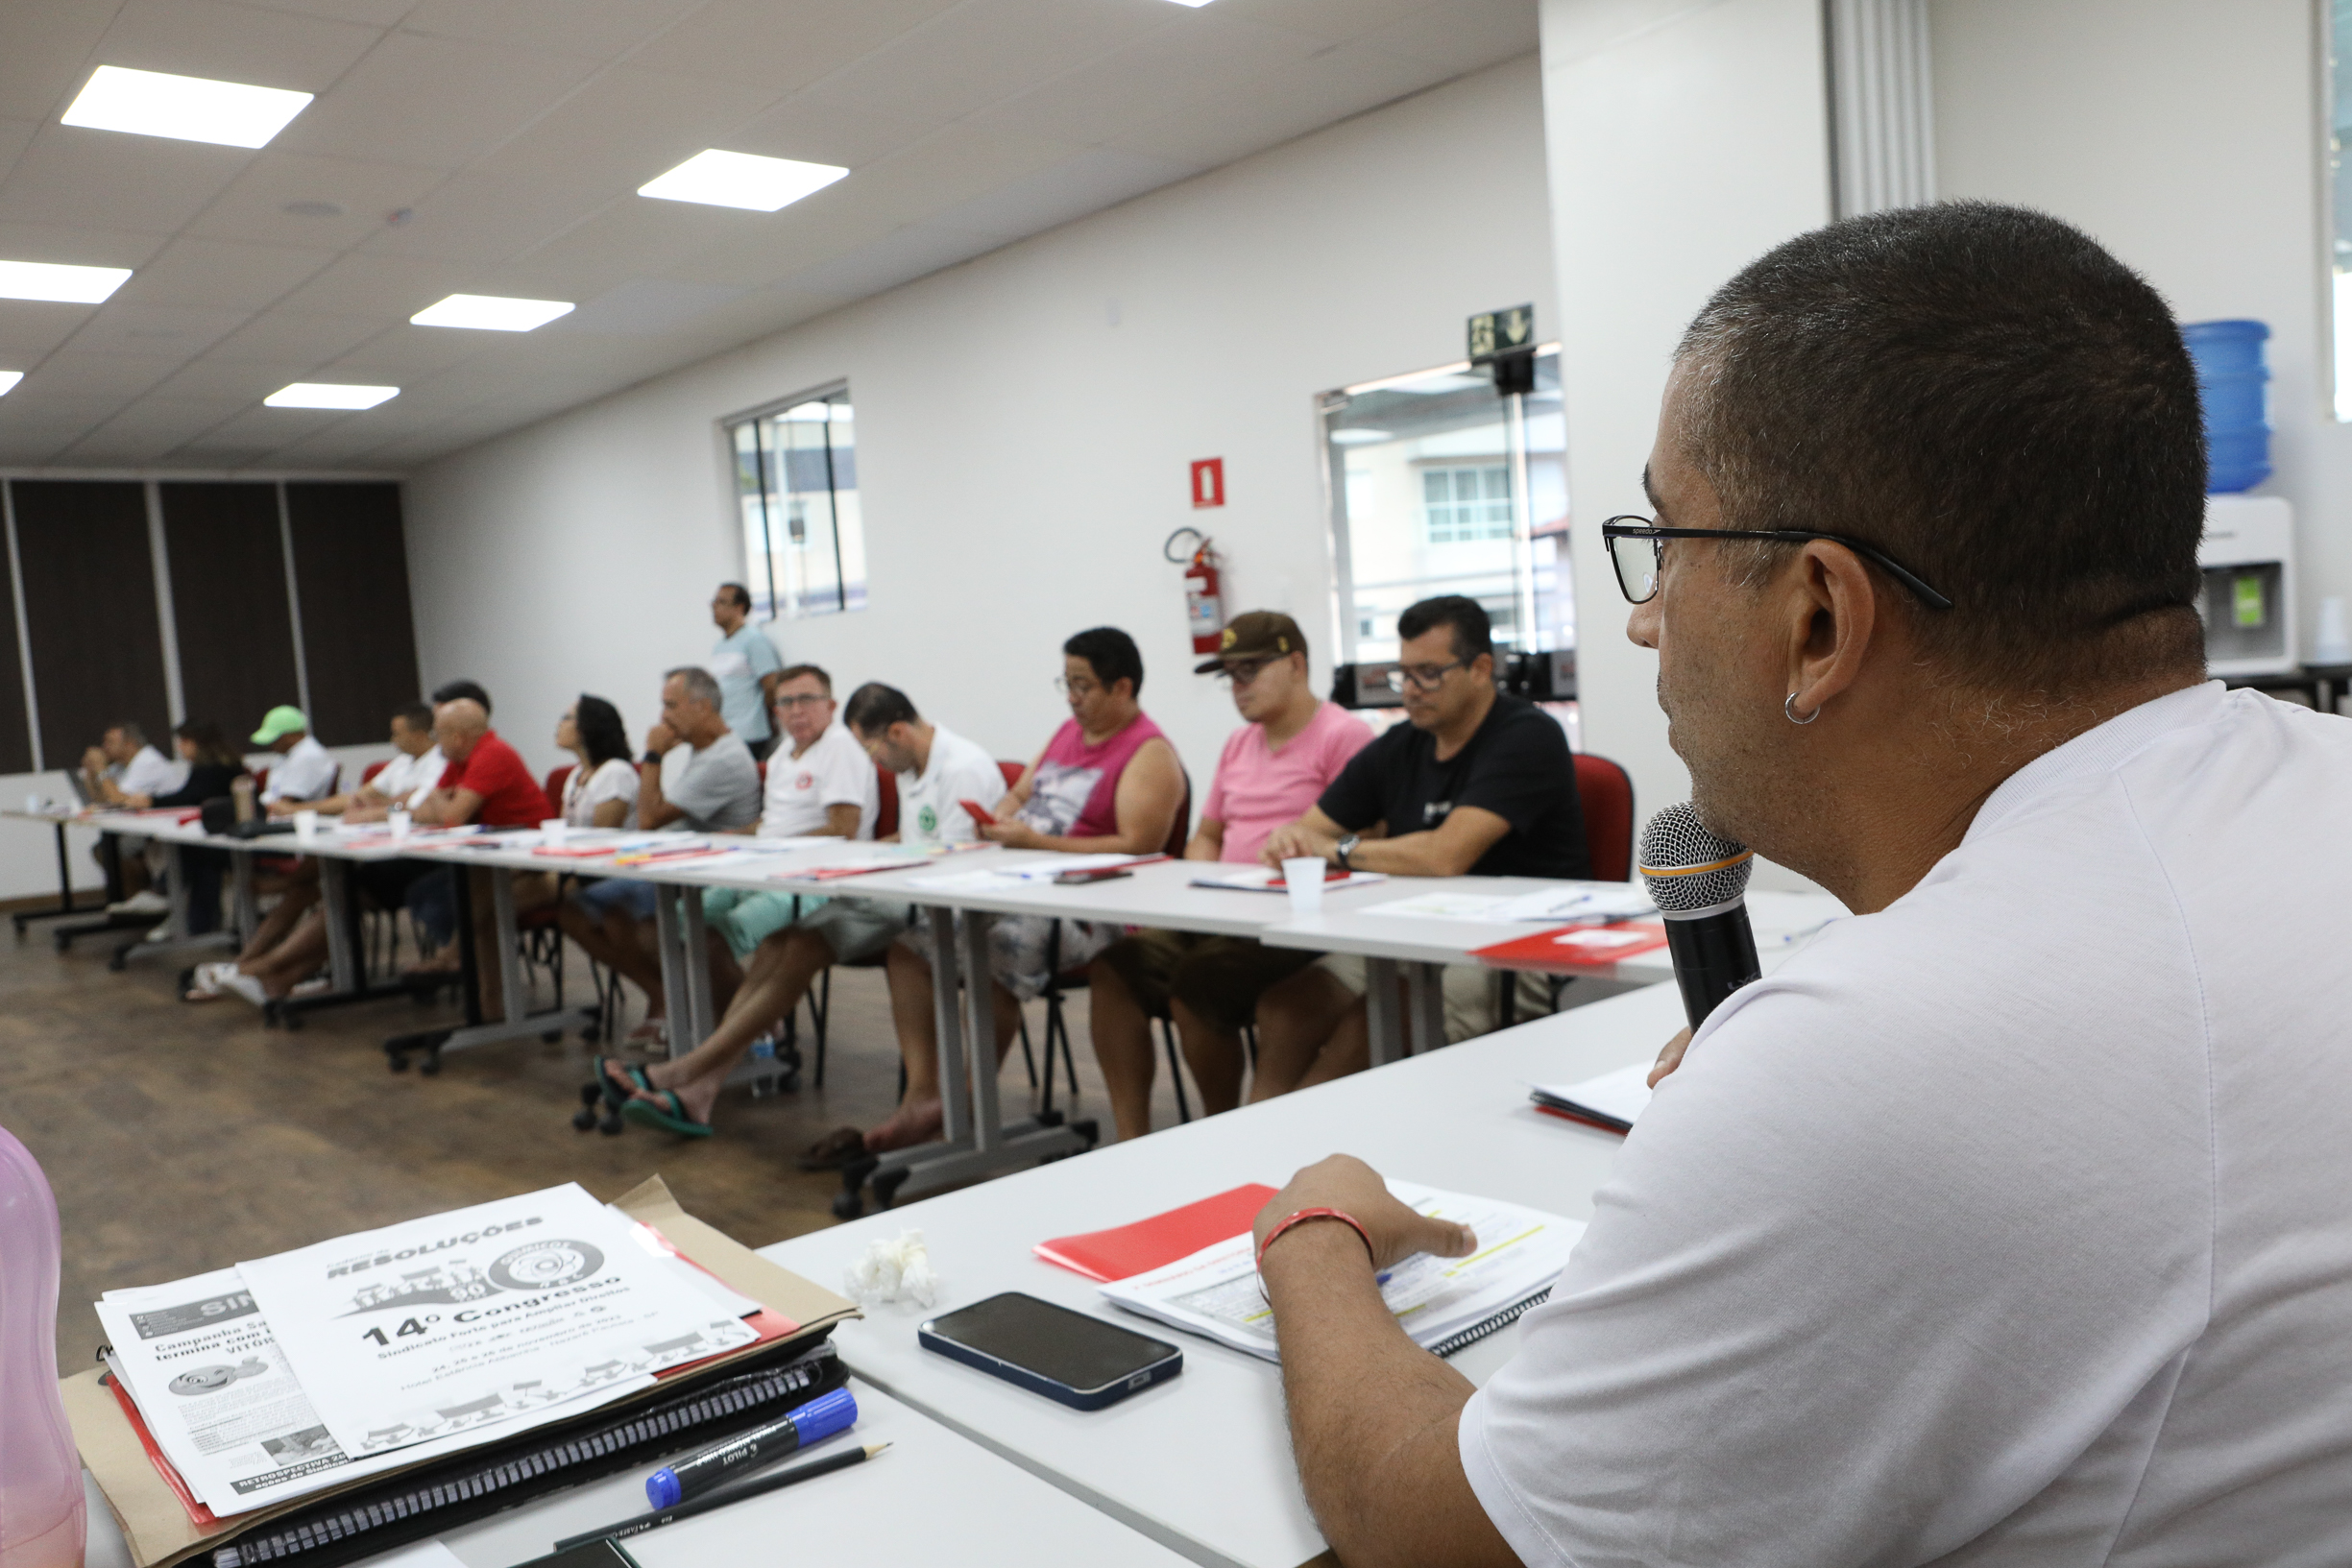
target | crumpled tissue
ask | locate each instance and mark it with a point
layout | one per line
(897, 1271)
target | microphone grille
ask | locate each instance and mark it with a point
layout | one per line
(1687, 866)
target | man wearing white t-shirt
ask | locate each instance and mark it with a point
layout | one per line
(2006, 1223)
(935, 768)
(305, 770)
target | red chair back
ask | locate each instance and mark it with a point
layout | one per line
(557, 779)
(1606, 792)
(886, 809)
(367, 775)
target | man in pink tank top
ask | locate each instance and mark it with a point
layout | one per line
(1108, 783)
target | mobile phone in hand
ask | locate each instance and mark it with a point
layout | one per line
(980, 813)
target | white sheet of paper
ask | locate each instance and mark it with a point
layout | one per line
(479, 1317)
(1624, 1094)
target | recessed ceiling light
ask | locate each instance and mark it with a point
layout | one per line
(1195, 4)
(756, 184)
(329, 395)
(9, 379)
(52, 280)
(184, 108)
(1357, 436)
(490, 313)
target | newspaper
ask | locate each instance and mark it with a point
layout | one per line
(482, 1317)
(1217, 1291)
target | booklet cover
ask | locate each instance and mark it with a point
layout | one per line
(1443, 1303)
(1574, 950)
(1126, 1250)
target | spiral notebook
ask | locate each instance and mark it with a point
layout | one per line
(1444, 1304)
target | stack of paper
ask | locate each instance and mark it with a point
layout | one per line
(1611, 1100)
(297, 1373)
(1443, 1303)
(1563, 904)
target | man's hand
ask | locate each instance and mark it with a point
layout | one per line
(661, 739)
(1345, 1183)
(1013, 833)
(1291, 842)
(1670, 1058)
(367, 810)
(93, 762)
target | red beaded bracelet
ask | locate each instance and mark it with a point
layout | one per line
(1339, 1215)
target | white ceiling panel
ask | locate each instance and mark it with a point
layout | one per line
(32, 328)
(124, 327)
(212, 272)
(1462, 34)
(48, 53)
(280, 337)
(1283, 105)
(1199, 54)
(105, 179)
(986, 51)
(433, 103)
(234, 43)
(69, 376)
(494, 147)
(253, 208)
(782, 43)
(1070, 189)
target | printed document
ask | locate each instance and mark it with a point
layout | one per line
(1217, 1292)
(481, 1316)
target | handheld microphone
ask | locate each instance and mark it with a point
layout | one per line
(1699, 881)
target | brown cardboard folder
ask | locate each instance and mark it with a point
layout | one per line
(158, 1528)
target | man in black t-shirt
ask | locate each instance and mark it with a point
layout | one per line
(1475, 783)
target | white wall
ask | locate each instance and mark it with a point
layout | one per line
(1684, 140)
(1025, 424)
(2186, 136)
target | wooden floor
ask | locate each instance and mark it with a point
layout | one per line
(182, 1138)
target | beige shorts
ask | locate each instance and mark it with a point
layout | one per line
(1473, 994)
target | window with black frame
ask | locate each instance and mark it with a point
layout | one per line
(796, 491)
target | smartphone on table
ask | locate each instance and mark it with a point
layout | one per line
(1067, 1356)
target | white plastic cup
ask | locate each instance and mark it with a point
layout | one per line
(397, 822)
(34, 802)
(1303, 879)
(306, 825)
(551, 830)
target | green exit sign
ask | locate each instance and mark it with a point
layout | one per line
(1493, 333)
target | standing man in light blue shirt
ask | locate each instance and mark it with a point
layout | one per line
(747, 664)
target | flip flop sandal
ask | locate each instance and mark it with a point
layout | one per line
(613, 1093)
(835, 1149)
(651, 1113)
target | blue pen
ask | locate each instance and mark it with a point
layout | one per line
(794, 1430)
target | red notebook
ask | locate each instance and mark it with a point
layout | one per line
(1149, 1244)
(1575, 950)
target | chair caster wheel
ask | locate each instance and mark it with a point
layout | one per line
(590, 1094)
(611, 1125)
(848, 1206)
(432, 1065)
(886, 1186)
(396, 1061)
(582, 1119)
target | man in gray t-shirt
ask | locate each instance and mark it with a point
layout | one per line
(717, 791)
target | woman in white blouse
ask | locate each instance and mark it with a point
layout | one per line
(601, 790)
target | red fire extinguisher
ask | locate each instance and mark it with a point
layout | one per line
(1204, 595)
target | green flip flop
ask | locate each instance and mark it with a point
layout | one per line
(651, 1113)
(614, 1094)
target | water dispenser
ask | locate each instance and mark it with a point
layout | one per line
(2248, 602)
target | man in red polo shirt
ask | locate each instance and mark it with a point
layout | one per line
(484, 781)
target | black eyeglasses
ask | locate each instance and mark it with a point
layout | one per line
(1634, 550)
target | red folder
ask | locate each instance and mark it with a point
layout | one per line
(1574, 950)
(1164, 1238)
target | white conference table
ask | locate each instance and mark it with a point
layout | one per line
(972, 1509)
(1203, 1462)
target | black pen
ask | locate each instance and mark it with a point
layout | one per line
(724, 1496)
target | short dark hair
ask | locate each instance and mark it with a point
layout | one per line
(1474, 633)
(416, 715)
(794, 672)
(130, 727)
(602, 734)
(1989, 396)
(874, 708)
(211, 747)
(462, 690)
(1111, 654)
(743, 594)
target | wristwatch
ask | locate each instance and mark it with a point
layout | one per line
(1346, 847)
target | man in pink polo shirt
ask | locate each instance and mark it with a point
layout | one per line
(1272, 768)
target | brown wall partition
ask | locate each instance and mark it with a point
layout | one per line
(227, 561)
(350, 572)
(91, 618)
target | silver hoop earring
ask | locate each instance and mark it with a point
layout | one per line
(1790, 709)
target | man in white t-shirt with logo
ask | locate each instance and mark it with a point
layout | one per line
(935, 768)
(2007, 1222)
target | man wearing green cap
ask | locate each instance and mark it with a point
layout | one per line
(304, 772)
